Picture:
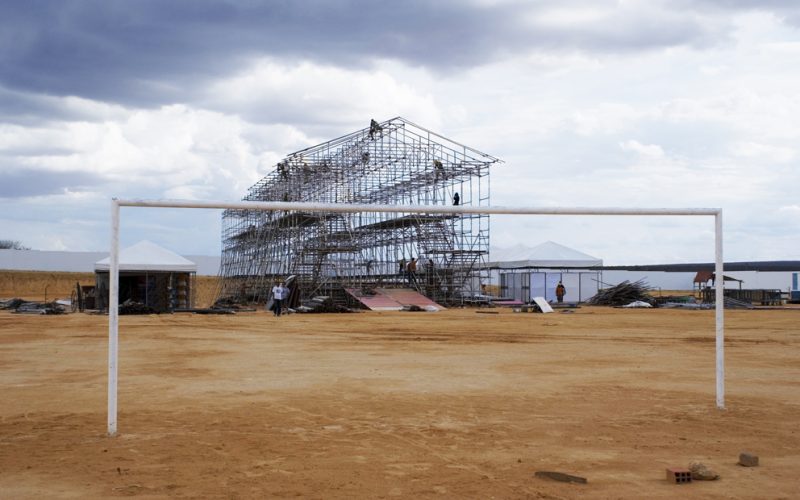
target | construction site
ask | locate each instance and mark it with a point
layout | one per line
(587, 398)
(347, 256)
(451, 404)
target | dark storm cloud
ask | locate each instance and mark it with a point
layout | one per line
(28, 108)
(19, 183)
(151, 52)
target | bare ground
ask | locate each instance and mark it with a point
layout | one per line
(454, 404)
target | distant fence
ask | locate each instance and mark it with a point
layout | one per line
(763, 297)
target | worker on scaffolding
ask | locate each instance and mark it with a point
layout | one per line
(283, 169)
(412, 271)
(374, 127)
(438, 169)
(456, 200)
(429, 271)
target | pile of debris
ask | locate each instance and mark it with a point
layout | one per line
(731, 303)
(133, 307)
(215, 309)
(11, 304)
(624, 294)
(227, 305)
(322, 304)
(21, 306)
(686, 305)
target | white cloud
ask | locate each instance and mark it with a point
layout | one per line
(764, 153)
(790, 211)
(273, 92)
(605, 118)
(653, 151)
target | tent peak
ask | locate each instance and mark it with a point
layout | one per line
(148, 256)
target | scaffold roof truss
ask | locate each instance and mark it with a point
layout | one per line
(393, 162)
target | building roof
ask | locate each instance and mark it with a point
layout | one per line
(706, 276)
(545, 255)
(147, 256)
(761, 266)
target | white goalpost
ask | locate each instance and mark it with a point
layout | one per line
(116, 204)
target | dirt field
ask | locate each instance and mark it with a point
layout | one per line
(455, 404)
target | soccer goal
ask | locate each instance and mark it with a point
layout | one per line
(116, 204)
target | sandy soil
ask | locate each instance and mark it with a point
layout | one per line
(455, 404)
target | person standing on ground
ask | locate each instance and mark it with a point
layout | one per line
(279, 293)
(561, 290)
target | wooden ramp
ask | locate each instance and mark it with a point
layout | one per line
(409, 297)
(393, 299)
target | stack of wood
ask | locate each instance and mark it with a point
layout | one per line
(321, 304)
(623, 294)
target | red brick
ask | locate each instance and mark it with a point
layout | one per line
(679, 475)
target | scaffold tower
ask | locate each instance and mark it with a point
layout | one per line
(393, 162)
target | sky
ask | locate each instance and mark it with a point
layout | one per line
(589, 103)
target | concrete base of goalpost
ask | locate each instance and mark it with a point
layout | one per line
(113, 307)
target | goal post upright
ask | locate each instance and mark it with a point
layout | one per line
(116, 204)
(719, 300)
(113, 318)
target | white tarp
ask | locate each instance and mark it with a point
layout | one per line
(147, 256)
(547, 255)
(638, 304)
(543, 305)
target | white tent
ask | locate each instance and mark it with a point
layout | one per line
(525, 272)
(147, 256)
(547, 255)
(151, 275)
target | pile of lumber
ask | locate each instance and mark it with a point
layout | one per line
(11, 304)
(321, 304)
(623, 294)
(133, 307)
(21, 306)
(731, 303)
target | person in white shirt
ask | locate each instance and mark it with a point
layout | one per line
(279, 293)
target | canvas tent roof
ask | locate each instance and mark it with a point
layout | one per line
(547, 254)
(147, 256)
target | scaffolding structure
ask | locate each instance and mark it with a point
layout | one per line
(393, 162)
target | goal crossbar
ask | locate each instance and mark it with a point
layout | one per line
(116, 204)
